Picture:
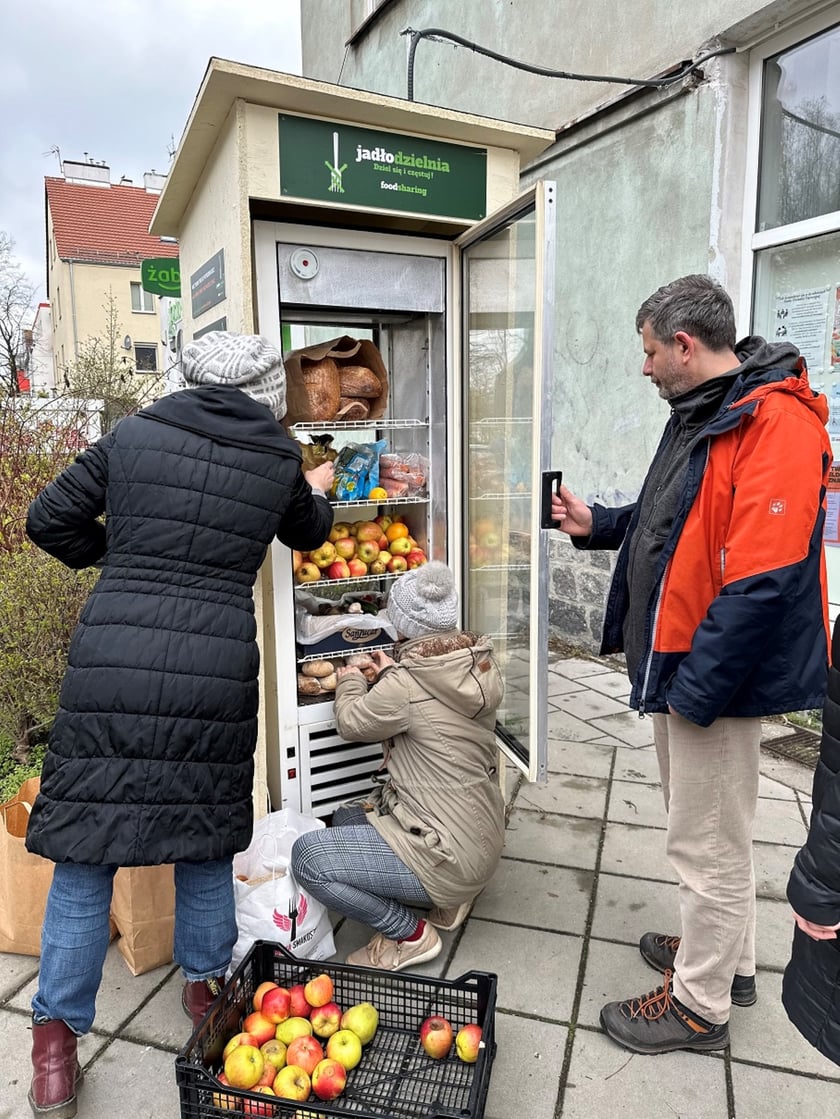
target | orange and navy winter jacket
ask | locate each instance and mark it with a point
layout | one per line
(737, 624)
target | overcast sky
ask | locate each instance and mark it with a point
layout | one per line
(115, 79)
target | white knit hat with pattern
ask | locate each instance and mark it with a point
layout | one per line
(423, 601)
(243, 361)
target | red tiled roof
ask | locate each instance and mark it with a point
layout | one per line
(104, 225)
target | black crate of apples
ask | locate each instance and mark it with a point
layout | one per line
(308, 1039)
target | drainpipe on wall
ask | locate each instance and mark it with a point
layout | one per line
(73, 313)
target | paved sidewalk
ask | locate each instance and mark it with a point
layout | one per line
(583, 875)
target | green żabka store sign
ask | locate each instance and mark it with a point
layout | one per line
(329, 162)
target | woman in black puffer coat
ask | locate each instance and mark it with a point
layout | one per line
(151, 756)
(811, 985)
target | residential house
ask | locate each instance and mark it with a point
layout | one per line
(97, 237)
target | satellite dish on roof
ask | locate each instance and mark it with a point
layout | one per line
(127, 342)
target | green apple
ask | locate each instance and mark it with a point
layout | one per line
(362, 1019)
(345, 1047)
(293, 1027)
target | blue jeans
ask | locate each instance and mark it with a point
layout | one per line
(76, 934)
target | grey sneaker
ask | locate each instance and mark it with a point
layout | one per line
(660, 950)
(395, 955)
(450, 918)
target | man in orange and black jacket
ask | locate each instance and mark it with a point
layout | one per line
(718, 601)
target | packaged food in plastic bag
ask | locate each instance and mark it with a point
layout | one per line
(410, 470)
(357, 470)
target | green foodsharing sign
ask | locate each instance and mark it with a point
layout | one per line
(330, 162)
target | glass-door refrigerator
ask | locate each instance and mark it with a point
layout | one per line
(463, 332)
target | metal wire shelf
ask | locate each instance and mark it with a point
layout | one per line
(387, 501)
(359, 425)
(345, 653)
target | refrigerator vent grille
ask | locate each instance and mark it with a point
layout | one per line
(334, 771)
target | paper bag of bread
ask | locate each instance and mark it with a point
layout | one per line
(341, 375)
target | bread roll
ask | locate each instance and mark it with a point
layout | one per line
(328, 683)
(308, 685)
(358, 380)
(317, 668)
(321, 387)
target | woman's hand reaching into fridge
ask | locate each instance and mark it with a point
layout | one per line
(321, 477)
(381, 660)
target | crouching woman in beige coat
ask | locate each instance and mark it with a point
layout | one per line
(431, 834)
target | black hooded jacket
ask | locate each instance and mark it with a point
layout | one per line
(150, 758)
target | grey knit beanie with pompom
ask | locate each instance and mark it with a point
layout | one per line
(424, 601)
(242, 361)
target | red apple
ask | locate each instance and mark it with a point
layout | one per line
(319, 991)
(305, 1052)
(292, 1083)
(223, 1100)
(240, 1039)
(328, 1080)
(368, 551)
(275, 1005)
(254, 1107)
(307, 573)
(260, 991)
(383, 543)
(299, 1007)
(367, 530)
(468, 1042)
(326, 1019)
(415, 558)
(338, 570)
(244, 1066)
(396, 564)
(269, 1072)
(383, 520)
(357, 567)
(259, 1026)
(436, 1036)
(325, 555)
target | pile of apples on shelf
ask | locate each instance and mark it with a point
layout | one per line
(378, 547)
(297, 1042)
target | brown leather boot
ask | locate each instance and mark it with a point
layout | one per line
(57, 1073)
(198, 997)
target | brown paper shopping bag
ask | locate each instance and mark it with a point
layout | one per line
(143, 909)
(24, 878)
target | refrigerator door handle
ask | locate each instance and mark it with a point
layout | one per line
(549, 478)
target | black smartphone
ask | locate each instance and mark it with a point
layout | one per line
(551, 481)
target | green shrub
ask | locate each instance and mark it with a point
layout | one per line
(40, 602)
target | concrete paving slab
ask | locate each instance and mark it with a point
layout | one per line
(772, 869)
(773, 933)
(639, 764)
(774, 790)
(769, 1038)
(562, 685)
(526, 1072)
(576, 668)
(589, 705)
(130, 1080)
(571, 796)
(760, 1093)
(15, 972)
(613, 971)
(797, 776)
(613, 684)
(632, 802)
(606, 1080)
(564, 726)
(779, 821)
(537, 970)
(627, 907)
(636, 852)
(161, 1022)
(544, 897)
(587, 759)
(549, 838)
(628, 727)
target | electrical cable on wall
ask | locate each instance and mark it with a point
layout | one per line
(653, 83)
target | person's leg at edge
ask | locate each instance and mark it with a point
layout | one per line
(205, 930)
(74, 940)
(713, 797)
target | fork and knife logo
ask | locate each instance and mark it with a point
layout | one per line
(296, 912)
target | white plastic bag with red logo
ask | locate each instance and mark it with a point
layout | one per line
(270, 905)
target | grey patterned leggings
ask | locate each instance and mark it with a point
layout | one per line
(352, 870)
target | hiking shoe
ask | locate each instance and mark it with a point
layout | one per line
(394, 955)
(450, 918)
(658, 1023)
(660, 950)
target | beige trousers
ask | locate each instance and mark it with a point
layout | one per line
(710, 782)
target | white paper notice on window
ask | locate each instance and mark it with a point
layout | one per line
(802, 318)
